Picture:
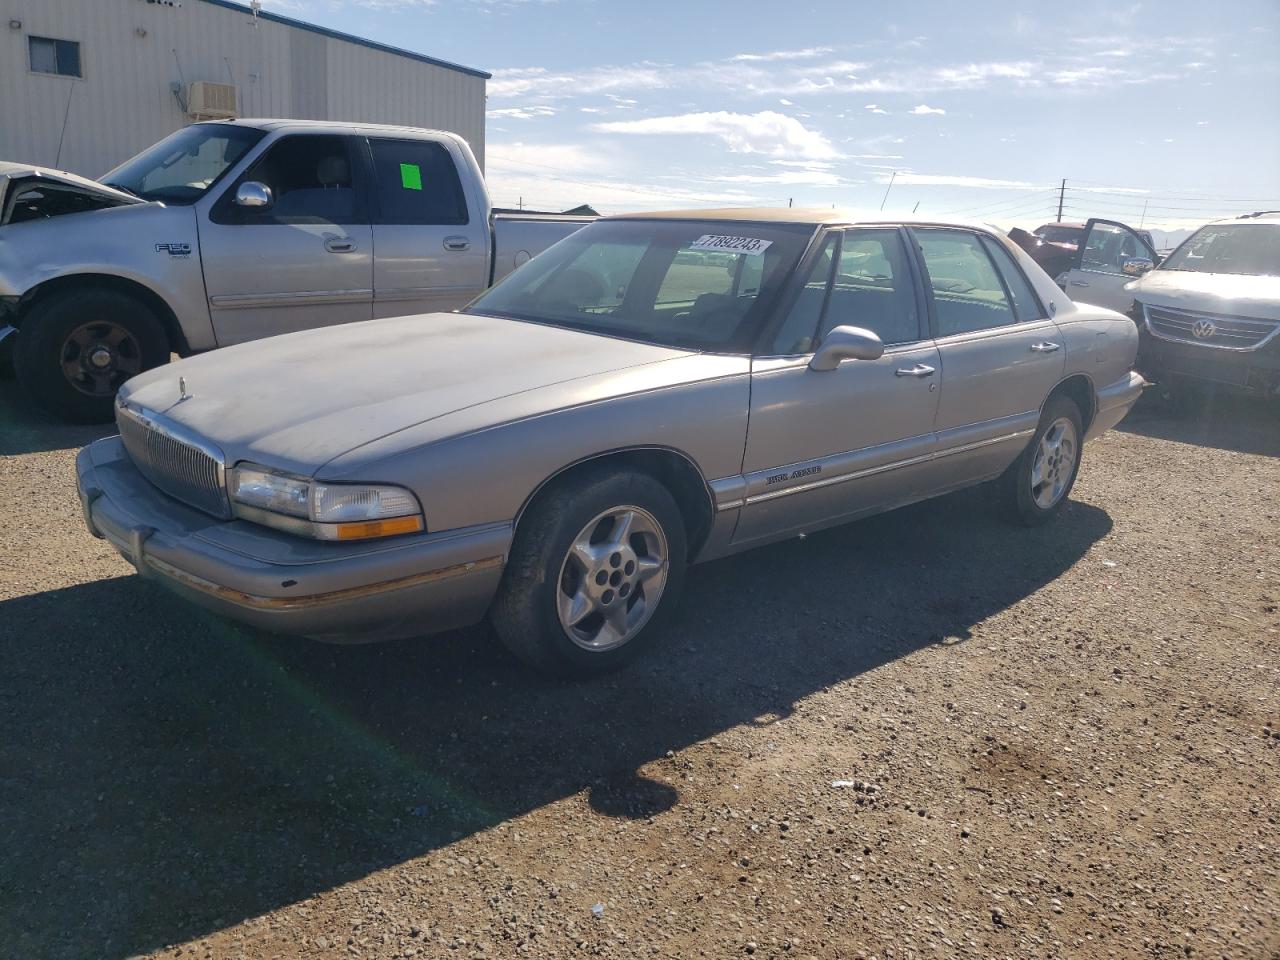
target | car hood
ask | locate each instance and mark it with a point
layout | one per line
(15, 174)
(1230, 293)
(297, 401)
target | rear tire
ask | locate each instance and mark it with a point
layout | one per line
(1036, 486)
(75, 348)
(595, 570)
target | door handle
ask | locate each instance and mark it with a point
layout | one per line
(457, 243)
(919, 370)
(339, 244)
(1078, 283)
(1044, 347)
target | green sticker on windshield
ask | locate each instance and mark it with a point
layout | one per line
(410, 176)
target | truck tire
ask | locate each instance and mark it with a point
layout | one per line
(594, 572)
(1036, 486)
(76, 347)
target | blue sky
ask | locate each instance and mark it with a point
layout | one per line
(979, 109)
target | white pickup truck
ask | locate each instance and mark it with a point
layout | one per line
(230, 231)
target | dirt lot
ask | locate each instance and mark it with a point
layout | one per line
(1060, 742)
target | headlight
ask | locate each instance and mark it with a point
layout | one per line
(323, 511)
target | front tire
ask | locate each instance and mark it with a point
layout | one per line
(1034, 489)
(595, 570)
(76, 348)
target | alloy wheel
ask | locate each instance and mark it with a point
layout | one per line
(1054, 463)
(612, 579)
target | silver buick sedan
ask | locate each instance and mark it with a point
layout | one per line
(653, 391)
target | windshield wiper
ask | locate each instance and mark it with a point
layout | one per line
(122, 187)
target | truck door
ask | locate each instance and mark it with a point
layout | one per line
(302, 257)
(431, 253)
(1110, 255)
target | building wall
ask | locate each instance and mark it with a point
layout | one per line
(134, 51)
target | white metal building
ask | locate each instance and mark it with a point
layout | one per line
(85, 84)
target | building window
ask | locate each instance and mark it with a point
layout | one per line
(60, 57)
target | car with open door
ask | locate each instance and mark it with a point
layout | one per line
(1109, 257)
(653, 391)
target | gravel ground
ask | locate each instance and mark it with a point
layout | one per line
(924, 735)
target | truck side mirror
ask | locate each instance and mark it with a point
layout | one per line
(254, 195)
(1136, 266)
(846, 343)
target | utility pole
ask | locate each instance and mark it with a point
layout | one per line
(888, 188)
(789, 199)
(1062, 193)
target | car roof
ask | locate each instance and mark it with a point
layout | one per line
(1262, 216)
(336, 126)
(809, 216)
(1073, 224)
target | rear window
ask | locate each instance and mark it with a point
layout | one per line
(417, 183)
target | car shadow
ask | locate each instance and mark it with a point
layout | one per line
(1225, 421)
(167, 773)
(24, 429)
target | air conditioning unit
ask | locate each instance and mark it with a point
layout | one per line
(211, 101)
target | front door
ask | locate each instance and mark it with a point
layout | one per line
(826, 446)
(431, 252)
(305, 260)
(1000, 354)
(1110, 256)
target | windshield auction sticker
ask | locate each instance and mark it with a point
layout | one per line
(748, 245)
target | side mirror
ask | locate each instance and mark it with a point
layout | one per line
(846, 343)
(253, 194)
(1136, 266)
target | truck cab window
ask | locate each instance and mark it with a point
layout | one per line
(310, 179)
(417, 183)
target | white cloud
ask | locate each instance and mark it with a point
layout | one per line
(803, 54)
(876, 108)
(540, 82)
(924, 110)
(785, 102)
(947, 180)
(819, 178)
(521, 113)
(766, 132)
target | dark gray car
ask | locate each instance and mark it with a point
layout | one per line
(652, 391)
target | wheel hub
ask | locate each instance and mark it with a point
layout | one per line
(612, 578)
(99, 356)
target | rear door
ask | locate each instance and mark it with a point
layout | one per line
(1110, 255)
(304, 261)
(1000, 353)
(826, 446)
(431, 252)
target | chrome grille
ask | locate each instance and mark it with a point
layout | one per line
(185, 470)
(1210, 329)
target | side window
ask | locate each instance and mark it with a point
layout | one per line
(796, 335)
(873, 288)
(1108, 245)
(1026, 305)
(417, 183)
(310, 181)
(967, 292)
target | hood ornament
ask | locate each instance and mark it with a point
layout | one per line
(182, 389)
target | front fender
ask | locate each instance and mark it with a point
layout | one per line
(152, 245)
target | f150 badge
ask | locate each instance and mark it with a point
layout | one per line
(174, 249)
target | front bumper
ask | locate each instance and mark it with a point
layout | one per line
(1115, 400)
(377, 590)
(1247, 370)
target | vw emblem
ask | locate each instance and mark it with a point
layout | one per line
(1203, 329)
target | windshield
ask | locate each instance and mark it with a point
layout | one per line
(182, 166)
(1249, 248)
(1057, 234)
(702, 285)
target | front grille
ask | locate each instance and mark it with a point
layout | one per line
(1210, 329)
(180, 468)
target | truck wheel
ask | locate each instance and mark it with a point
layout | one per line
(1033, 490)
(77, 347)
(596, 567)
